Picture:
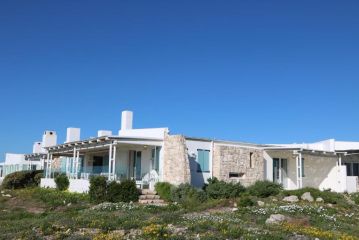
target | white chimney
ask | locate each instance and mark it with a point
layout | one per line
(72, 135)
(37, 148)
(49, 139)
(102, 133)
(126, 120)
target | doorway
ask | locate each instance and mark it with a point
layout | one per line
(280, 171)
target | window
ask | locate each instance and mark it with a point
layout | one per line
(202, 160)
(250, 160)
(302, 164)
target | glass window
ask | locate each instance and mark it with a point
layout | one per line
(202, 160)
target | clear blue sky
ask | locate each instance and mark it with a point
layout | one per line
(257, 71)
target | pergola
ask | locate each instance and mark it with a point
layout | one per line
(106, 143)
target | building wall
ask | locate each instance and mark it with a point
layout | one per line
(176, 169)
(198, 179)
(236, 159)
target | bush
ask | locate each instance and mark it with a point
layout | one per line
(355, 198)
(20, 179)
(98, 189)
(126, 191)
(216, 189)
(62, 182)
(188, 196)
(245, 202)
(164, 190)
(129, 191)
(264, 189)
(37, 178)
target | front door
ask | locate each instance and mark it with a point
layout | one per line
(135, 165)
(279, 170)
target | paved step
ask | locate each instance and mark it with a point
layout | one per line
(151, 201)
(148, 192)
(149, 196)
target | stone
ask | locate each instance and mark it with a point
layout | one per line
(6, 195)
(307, 197)
(298, 237)
(260, 203)
(176, 168)
(291, 199)
(234, 209)
(276, 218)
(319, 199)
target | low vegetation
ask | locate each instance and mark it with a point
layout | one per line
(218, 211)
(22, 179)
(62, 182)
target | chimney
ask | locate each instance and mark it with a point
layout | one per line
(37, 147)
(49, 139)
(102, 133)
(126, 120)
(72, 135)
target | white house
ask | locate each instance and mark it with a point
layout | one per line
(150, 155)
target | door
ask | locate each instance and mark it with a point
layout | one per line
(280, 170)
(135, 165)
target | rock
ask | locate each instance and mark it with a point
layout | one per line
(275, 200)
(7, 195)
(234, 209)
(319, 199)
(298, 237)
(330, 205)
(235, 204)
(260, 203)
(69, 204)
(276, 218)
(2, 192)
(291, 199)
(307, 197)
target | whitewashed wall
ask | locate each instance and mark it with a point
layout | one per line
(198, 178)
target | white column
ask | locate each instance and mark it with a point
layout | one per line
(114, 162)
(73, 163)
(110, 163)
(47, 165)
(77, 163)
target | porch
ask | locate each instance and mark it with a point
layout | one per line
(298, 168)
(113, 157)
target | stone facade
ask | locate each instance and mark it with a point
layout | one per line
(176, 169)
(248, 163)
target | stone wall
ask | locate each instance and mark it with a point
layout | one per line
(176, 169)
(236, 159)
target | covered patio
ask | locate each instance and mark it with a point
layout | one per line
(116, 158)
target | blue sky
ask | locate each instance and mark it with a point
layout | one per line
(257, 71)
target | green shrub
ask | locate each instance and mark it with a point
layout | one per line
(114, 193)
(355, 198)
(216, 189)
(20, 179)
(37, 178)
(245, 201)
(264, 189)
(62, 182)
(164, 190)
(98, 189)
(129, 191)
(188, 196)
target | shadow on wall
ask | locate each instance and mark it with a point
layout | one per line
(197, 177)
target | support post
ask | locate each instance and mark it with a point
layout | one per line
(47, 165)
(110, 162)
(50, 165)
(114, 162)
(73, 164)
(77, 164)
